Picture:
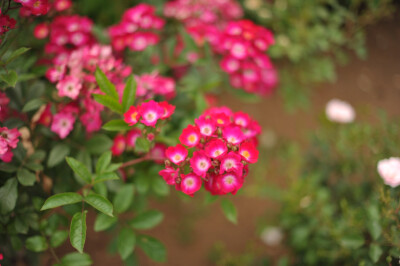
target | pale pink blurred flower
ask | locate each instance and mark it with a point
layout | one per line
(389, 170)
(340, 111)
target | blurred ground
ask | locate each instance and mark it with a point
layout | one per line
(189, 236)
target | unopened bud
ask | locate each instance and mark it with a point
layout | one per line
(178, 180)
(167, 163)
(219, 131)
(234, 148)
(244, 162)
(215, 163)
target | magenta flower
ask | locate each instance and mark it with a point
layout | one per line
(190, 184)
(119, 145)
(200, 163)
(169, 174)
(150, 112)
(248, 152)
(216, 148)
(233, 135)
(132, 116)
(62, 124)
(231, 163)
(190, 136)
(205, 125)
(69, 87)
(176, 154)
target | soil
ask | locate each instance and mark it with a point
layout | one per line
(190, 230)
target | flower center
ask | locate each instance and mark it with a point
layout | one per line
(192, 138)
(177, 157)
(246, 154)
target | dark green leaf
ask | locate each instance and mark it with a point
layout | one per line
(16, 54)
(129, 94)
(105, 177)
(57, 154)
(80, 169)
(76, 259)
(10, 78)
(375, 252)
(352, 241)
(61, 200)
(77, 232)
(147, 220)
(100, 203)
(25, 177)
(126, 242)
(109, 102)
(34, 166)
(123, 199)
(32, 105)
(105, 84)
(160, 187)
(229, 210)
(8, 168)
(8, 195)
(36, 243)
(98, 144)
(153, 248)
(58, 238)
(116, 125)
(103, 162)
(103, 222)
(142, 145)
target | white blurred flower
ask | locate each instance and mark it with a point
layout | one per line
(340, 111)
(389, 170)
(272, 236)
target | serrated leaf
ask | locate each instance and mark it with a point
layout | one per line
(100, 203)
(105, 177)
(32, 105)
(105, 84)
(103, 162)
(58, 238)
(129, 94)
(103, 222)
(229, 210)
(98, 144)
(77, 232)
(25, 177)
(15, 54)
(80, 169)
(126, 242)
(10, 78)
(153, 248)
(8, 195)
(123, 199)
(76, 259)
(36, 243)
(61, 199)
(116, 125)
(147, 220)
(108, 102)
(57, 154)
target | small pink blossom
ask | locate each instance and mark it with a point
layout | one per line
(340, 111)
(389, 170)
(176, 154)
(190, 136)
(119, 145)
(190, 184)
(150, 112)
(62, 124)
(200, 163)
(70, 86)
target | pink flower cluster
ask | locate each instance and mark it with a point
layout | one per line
(74, 78)
(33, 7)
(243, 45)
(223, 144)
(6, 24)
(9, 139)
(148, 113)
(149, 85)
(136, 29)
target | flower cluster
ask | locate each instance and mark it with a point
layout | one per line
(136, 29)
(33, 7)
(74, 78)
(148, 113)
(222, 144)
(243, 45)
(9, 139)
(149, 85)
(389, 170)
(6, 24)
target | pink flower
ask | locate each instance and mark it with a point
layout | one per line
(206, 126)
(231, 163)
(221, 119)
(91, 121)
(190, 184)
(61, 5)
(46, 117)
(158, 153)
(168, 109)
(119, 145)
(389, 170)
(229, 183)
(176, 154)
(190, 136)
(41, 31)
(69, 86)
(200, 163)
(340, 111)
(132, 136)
(62, 124)
(216, 148)
(169, 174)
(7, 157)
(3, 145)
(131, 117)
(150, 112)
(230, 64)
(10, 136)
(241, 119)
(233, 135)
(248, 152)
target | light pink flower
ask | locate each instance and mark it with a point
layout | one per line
(62, 124)
(340, 111)
(389, 170)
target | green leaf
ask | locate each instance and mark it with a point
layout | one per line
(25, 177)
(80, 169)
(16, 54)
(8, 195)
(352, 241)
(123, 199)
(61, 200)
(32, 105)
(129, 94)
(10, 78)
(36, 243)
(229, 210)
(142, 145)
(116, 125)
(105, 84)
(77, 232)
(57, 154)
(153, 248)
(375, 252)
(8, 168)
(103, 162)
(100, 203)
(105, 177)
(98, 144)
(374, 228)
(76, 259)
(109, 102)
(160, 187)
(126, 242)
(147, 220)
(58, 238)
(103, 222)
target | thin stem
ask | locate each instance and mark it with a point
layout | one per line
(138, 160)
